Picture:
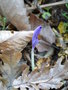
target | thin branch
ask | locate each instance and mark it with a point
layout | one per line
(49, 5)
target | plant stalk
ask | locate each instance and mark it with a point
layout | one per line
(32, 59)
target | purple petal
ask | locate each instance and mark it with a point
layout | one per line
(35, 36)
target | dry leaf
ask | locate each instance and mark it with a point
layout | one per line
(15, 42)
(44, 78)
(10, 53)
(48, 34)
(13, 58)
(15, 12)
(35, 21)
(10, 72)
(47, 38)
(4, 35)
(43, 46)
(2, 87)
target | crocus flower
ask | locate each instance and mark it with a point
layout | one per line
(35, 36)
(34, 43)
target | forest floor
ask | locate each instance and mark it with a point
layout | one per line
(34, 45)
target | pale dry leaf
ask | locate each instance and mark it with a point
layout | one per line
(4, 35)
(47, 38)
(16, 42)
(3, 80)
(48, 34)
(57, 74)
(10, 53)
(23, 89)
(2, 87)
(43, 46)
(9, 73)
(51, 78)
(15, 12)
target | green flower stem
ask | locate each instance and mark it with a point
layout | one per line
(32, 59)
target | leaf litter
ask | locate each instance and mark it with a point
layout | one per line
(43, 79)
(50, 53)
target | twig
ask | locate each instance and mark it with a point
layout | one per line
(49, 5)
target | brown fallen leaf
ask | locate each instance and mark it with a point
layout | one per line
(14, 42)
(15, 12)
(11, 70)
(48, 34)
(44, 78)
(13, 58)
(10, 53)
(47, 38)
(35, 21)
(43, 46)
